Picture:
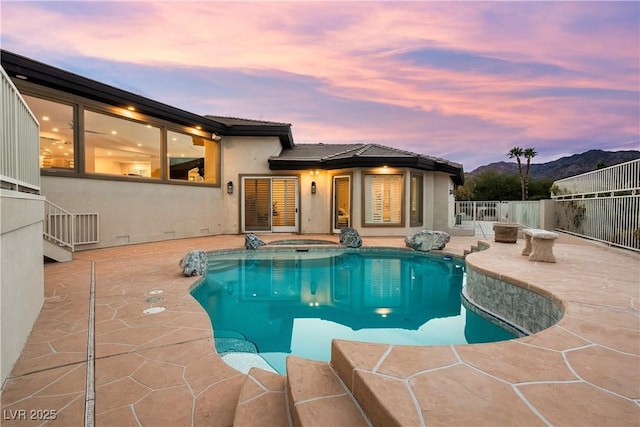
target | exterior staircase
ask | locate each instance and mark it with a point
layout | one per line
(56, 251)
(63, 231)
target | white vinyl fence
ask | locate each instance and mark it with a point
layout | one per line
(602, 205)
(479, 216)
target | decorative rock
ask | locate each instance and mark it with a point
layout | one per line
(251, 241)
(350, 237)
(427, 240)
(194, 263)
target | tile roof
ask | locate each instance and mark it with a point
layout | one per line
(334, 156)
(236, 121)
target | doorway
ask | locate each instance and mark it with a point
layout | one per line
(341, 202)
(270, 204)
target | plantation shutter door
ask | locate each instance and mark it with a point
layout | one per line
(284, 202)
(257, 204)
(290, 203)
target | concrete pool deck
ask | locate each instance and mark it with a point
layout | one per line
(161, 369)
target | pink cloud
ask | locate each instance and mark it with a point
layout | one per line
(354, 51)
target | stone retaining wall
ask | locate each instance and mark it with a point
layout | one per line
(523, 307)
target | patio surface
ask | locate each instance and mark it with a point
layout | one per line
(162, 369)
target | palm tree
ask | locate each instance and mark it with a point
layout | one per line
(529, 153)
(517, 152)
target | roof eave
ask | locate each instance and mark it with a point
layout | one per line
(359, 162)
(51, 77)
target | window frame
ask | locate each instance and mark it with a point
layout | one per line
(160, 129)
(80, 104)
(419, 193)
(217, 160)
(74, 139)
(401, 202)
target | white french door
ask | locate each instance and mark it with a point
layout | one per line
(270, 204)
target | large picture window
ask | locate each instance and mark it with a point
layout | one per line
(56, 132)
(416, 201)
(118, 146)
(383, 199)
(192, 158)
(92, 138)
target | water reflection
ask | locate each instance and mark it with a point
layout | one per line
(372, 292)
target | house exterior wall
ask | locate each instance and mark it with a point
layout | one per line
(136, 212)
(242, 156)
(133, 212)
(21, 272)
(316, 209)
(443, 198)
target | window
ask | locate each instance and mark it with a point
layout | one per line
(78, 135)
(118, 146)
(383, 199)
(56, 132)
(193, 158)
(415, 201)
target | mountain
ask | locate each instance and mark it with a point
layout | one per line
(563, 167)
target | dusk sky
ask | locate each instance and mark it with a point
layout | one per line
(465, 81)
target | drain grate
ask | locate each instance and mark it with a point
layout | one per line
(154, 299)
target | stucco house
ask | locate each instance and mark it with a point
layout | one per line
(130, 170)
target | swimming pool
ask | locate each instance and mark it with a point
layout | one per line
(286, 301)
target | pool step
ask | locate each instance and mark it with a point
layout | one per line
(262, 401)
(317, 397)
(226, 345)
(481, 246)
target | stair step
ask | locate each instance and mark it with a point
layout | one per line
(262, 401)
(317, 397)
(385, 399)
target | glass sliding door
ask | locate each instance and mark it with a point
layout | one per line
(270, 204)
(341, 202)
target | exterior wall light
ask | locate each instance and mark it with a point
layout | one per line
(230, 187)
(313, 187)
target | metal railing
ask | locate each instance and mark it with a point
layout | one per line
(611, 181)
(480, 215)
(602, 205)
(19, 140)
(67, 229)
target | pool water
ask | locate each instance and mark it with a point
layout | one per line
(282, 302)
